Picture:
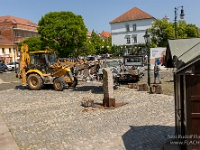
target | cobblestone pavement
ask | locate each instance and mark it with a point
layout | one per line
(52, 120)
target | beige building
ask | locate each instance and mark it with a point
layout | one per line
(12, 31)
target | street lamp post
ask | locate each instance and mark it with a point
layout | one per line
(14, 59)
(147, 41)
(175, 19)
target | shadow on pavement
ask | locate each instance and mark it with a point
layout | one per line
(147, 137)
(45, 87)
(93, 89)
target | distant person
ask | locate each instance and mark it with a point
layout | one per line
(162, 61)
(157, 73)
(145, 58)
(158, 61)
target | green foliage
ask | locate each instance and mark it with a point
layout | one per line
(85, 50)
(191, 30)
(96, 41)
(34, 44)
(107, 45)
(63, 31)
(99, 45)
(160, 31)
(163, 30)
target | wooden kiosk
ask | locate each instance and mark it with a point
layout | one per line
(183, 55)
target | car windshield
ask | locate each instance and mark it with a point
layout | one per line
(136, 59)
(133, 61)
(113, 63)
(90, 58)
(52, 58)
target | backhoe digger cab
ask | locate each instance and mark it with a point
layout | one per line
(41, 67)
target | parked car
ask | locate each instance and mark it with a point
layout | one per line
(130, 70)
(98, 56)
(91, 58)
(107, 55)
(11, 66)
(3, 67)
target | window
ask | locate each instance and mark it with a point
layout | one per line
(9, 50)
(134, 27)
(3, 50)
(16, 33)
(135, 39)
(128, 40)
(26, 34)
(29, 34)
(127, 28)
(22, 34)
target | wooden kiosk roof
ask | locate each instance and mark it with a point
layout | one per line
(182, 53)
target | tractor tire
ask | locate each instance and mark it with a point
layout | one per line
(35, 82)
(58, 84)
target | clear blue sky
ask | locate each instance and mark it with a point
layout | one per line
(98, 13)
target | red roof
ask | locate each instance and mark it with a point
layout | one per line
(4, 41)
(17, 20)
(88, 33)
(105, 34)
(133, 14)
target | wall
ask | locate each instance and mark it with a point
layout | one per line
(118, 31)
(8, 56)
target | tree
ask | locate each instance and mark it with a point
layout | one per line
(107, 44)
(191, 30)
(34, 44)
(160, 31)
(163, 30)
(64, 31)
(96, 41)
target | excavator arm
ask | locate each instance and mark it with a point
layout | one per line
(24, 61)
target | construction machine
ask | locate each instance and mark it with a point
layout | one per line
(38, 68)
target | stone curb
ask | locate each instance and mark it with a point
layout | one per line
(6, 140)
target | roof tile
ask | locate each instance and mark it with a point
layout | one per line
(4, 41)
(17, 20)
(105, 34)
(133, 14)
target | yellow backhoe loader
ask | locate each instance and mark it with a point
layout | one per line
(38, 68)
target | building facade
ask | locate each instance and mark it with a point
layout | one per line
(12, 31)
(129, 28)
(6, 50)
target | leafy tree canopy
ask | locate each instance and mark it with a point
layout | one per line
(96, 41)
(34, 44)
(163, 30)
(63, 31)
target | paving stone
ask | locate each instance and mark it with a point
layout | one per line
(48, 119)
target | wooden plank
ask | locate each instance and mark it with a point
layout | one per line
(198, 75)
(195, 98)
(195, 115)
